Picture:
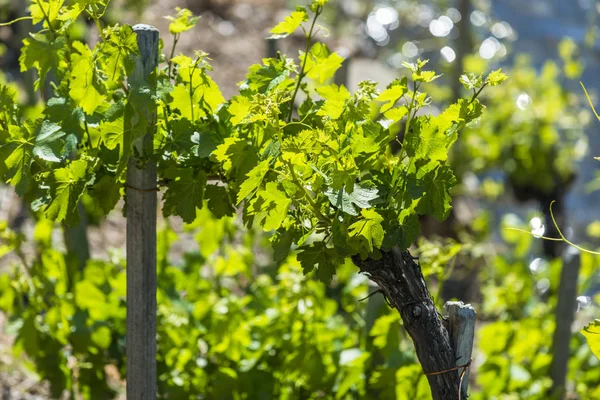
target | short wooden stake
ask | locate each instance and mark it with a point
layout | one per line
(460, 322)
(565, 314)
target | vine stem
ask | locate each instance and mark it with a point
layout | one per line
(562, 237)
(403, 154)
(409, 118)
(416, 86)
(475, 94)
(589, 100)
(100, 31)
(302, 73)
(87, 131)
(175, 40)
(192, 89)
(16, 20)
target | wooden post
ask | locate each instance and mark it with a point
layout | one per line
(460, 322)
(141, 238)
(565, 314)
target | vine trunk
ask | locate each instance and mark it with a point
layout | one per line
(399, 277)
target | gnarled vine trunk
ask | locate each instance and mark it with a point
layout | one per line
(401, 280)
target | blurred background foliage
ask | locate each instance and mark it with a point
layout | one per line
(233, 324)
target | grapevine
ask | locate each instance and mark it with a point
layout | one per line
(305, 160)
(324, 170)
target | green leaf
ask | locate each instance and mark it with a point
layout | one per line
(424, 76)
(64, 112)
(403, 234)
(184, 193)
(66, 187)
(360, 197)
(270, 207)
(139, 115)
(239, 108)
(183, 21)
(255, 178)
(321, 257)
(392, 94)
(108, 193)
(45, 10)
(205, 99)
(111, 133)
(90, 298)
(18, 151)
(369, 229)
(592, 336)
(425, 141)
(496, 77)
(178, 139)
(396, 114)
(273, 74)
(235, 157)
(182, 100)
(84, 86)
(8, 98)
(316, 4)
(321, 64)
(196, 94)
(203, 144)
(435, 186)
(415, 68)
(282, 242)
(218, 201)
(42, 139)
(69, 14)
(381, 328)
(43, 52)
(335, 100)
(116, 53)
(289, 24)
(471, 80)
(47, 144)
(101, 337)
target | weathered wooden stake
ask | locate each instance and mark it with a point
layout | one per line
(141, 238)
(460, 322)
(565, 314)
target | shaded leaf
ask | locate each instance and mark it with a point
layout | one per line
(184, 193)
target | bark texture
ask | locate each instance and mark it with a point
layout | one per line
(401, 280)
